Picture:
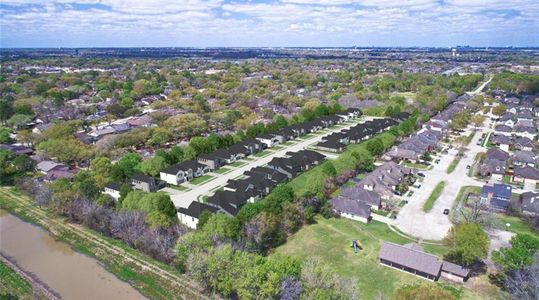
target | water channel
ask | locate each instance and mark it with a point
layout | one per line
(69, 273)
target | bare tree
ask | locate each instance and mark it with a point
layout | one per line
(524, 284)
(290, 289)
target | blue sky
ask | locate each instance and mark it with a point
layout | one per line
(198, 23)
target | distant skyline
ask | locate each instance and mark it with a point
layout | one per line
(268, 23)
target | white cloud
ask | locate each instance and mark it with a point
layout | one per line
(277, 22)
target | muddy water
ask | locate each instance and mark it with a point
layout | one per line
(69, 273)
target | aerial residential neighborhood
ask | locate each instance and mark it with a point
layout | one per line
(274, 149)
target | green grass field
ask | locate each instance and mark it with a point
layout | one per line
(427, 206)
(238, 164)
(201, 179)
(179, 188)
(330, 240)
(13, 284)
(263, 153)
(415, 166)
(221, 170)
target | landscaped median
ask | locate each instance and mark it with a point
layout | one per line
(438, 189)
(457, 159)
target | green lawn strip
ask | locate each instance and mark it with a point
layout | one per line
(263, 153)
(13, 284)
(222, 171)
(330, 240)
(506, 179)
(485, 140)
(415, 166)
(202, 179)
(179, 188)
(144, 280)
(427, 206)
(453, 164)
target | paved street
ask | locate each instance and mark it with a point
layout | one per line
(184, 199)
(434, 224)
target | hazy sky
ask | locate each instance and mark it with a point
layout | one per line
(102, 23)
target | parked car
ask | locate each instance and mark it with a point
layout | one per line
(468, 167)
(446, 211)
(420, 174)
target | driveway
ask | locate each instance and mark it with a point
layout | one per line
(434, 225)
(184, 199)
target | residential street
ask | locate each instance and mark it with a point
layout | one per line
(184, 199)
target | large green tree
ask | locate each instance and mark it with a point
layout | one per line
(521, 253)
(469, 243)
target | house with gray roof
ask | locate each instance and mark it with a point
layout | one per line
(497, 154)
(493, 168)
(411, 258)
(530, 203)
(524, 144)
(351, 209)
(529, 176)
(524, 158)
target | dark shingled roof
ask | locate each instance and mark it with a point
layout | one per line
(455, 269)
(114, 186)
(195, 209)
(411, 256)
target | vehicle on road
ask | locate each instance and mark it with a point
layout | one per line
(446, 211)
(420, 174)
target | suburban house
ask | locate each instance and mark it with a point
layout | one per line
(190, 215)
(523, 158)
(524, 144)
(493, 168)
(525, 131)
(113, 189)
(184, 171)
(268, 139)
(502, 141)
(225, 155)
(230, 202)
(271, 174)
(210, 160)
(358, 194)
(497, 196)
(331, 146)
(351, 209)
(529, 176)
(412, 259)
(503, 130)
(497, 154)
(384, 179)
(530, 203)
(47, 166)
(143, 182)
(287, 166)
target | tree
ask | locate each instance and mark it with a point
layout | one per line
(152, 166)
(375, 146)
(101, 166)
(521, 254)
(478, 120)
(468, 242)
(129, 163)
(460, 120)
(422, 292)
(4, 136)
(328, 169)
(65, 150)
(158, 206)
(281, 121)
(524, 283)
(201, 145)
(499, 110)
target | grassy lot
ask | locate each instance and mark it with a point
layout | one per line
(415, 166)
(427, 206)
(153, 279)
(263, 153)
(179, 188)
(201, 179)
(330, 240)
(506, 179)
(299, 184)
(516, 224)
(13, 284)
(453, 164)
(221, 171)
(238, 164)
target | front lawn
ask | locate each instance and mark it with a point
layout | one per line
(179, 187)
(415, 166)
(513, 224)
(506, 179)
(330, 241)
(221, 170)
(237, 164)
(263, 153)
(427, 206)
(201, 179)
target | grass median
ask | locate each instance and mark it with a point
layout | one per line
(438, 189)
